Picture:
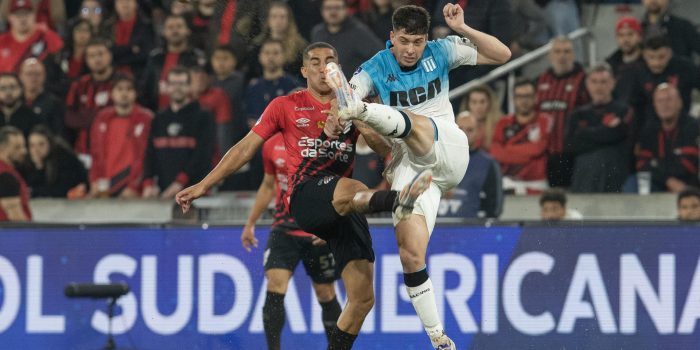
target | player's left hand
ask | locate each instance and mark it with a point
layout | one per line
(316, 241)
(454, 16)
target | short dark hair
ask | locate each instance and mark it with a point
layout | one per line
(175, 16)
(8, 131)
(123, 77)
(97, 41)
(269, 41)
(553, 195)
(600, 68)
(525, 82)
(180, 70)
(317, 45)
(228, 48)
(687, 193)
(415, 20)
(656, 42)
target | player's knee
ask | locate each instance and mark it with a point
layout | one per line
(363, 302)
(324, 292)
(411, 258)
(276, 285)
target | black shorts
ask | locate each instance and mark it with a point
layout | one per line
(311, 206)
(284, 251)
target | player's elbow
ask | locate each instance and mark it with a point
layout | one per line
(503, 55)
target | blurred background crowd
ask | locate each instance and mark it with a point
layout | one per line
(139, 98)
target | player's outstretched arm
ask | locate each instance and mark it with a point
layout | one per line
(266, 193)
(234, 159)
(490, 49)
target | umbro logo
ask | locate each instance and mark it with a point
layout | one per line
(303, 122)
(391, 78)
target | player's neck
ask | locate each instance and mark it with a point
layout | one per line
(322, 98)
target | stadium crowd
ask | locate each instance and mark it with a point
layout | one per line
(139, 98)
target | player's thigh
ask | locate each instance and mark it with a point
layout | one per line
(427, 205)
(345, 190)
(278, 280)
(358, 278)
(420, 140)
(319, 263)
(311, 205)
(452, 155)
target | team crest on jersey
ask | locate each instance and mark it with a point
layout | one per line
(429, 64)
(321, 124)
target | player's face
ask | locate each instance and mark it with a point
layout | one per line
(178, 87)
(657, 60)
(628, 40)
(98, 58)
(175, 30)
(600, 86)
(125, 8)
(655, 6)
(38, 147)
(32, 75)
(689, 209)
(562, 57)
(10, 91)
(314, 69)
(16, 148)
(123, 94)
(553, 211)
(22, 21)
(524, 98)
(667, 104)
(469, 126)
(408, 48)
(81, 34)
(278, 19)
(271, 56)
(223, 62)
(479, 105)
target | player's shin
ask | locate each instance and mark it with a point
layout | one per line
(386, 120)
(273, 319)
(330, 311)
(341, 340)
(420, 290)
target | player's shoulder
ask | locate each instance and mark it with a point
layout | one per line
(379, 60)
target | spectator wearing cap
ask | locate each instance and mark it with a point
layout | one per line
(14, 193)
(118, 140)
(176, 52)
(88, 95)
(661, 65)
(25, 38)
(688, 205)
(51, 13)
(12, 109)
(48, 107)
(658, 21)
(628, 34)
(597, 136)
(133, 37)
(668, 146)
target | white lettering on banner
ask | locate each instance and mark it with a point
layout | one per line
(11, 293)
(691, 310)
(175, 322)
(36, 321)
(458, 297)
(489, 293)
(235, 270)
(116, 264)
(512, 303)
(391, 321)
(587, 276)
(635, 282)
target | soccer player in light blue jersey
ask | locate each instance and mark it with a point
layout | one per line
(410, 78)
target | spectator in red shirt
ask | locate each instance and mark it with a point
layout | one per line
(214, 100)
(133, 37)
(118, 141)
(51, 13)
(25, 38)
(14, 193)
(48, 107)
(73, 55)
(520, 143)
(177, 52)
(89, 94)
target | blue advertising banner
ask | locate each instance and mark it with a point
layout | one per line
(578, 287)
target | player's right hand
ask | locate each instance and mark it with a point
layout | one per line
(185, 197)
(248, 238)
(334, 126)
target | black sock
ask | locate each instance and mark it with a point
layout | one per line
(330, 312)
(415, 279)
(273, 319)
(341, 340)
(382, 201)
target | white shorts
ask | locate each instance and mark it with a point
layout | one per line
(449, 166)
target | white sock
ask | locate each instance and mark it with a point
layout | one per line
(386, 121)
(423, 300)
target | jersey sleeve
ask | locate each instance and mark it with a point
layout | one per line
(268, 163)
(270, 122)
(458, 51)
(362, 84)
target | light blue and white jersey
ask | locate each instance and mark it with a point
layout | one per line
(423, 90)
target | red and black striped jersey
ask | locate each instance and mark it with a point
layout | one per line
(310, 152)
(558, 95)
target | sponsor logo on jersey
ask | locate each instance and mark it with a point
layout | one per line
(333, 149)
(301, 109)
(416, 95)
(303, 122)
(429, 64)
(555, 105)
(174, 129)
